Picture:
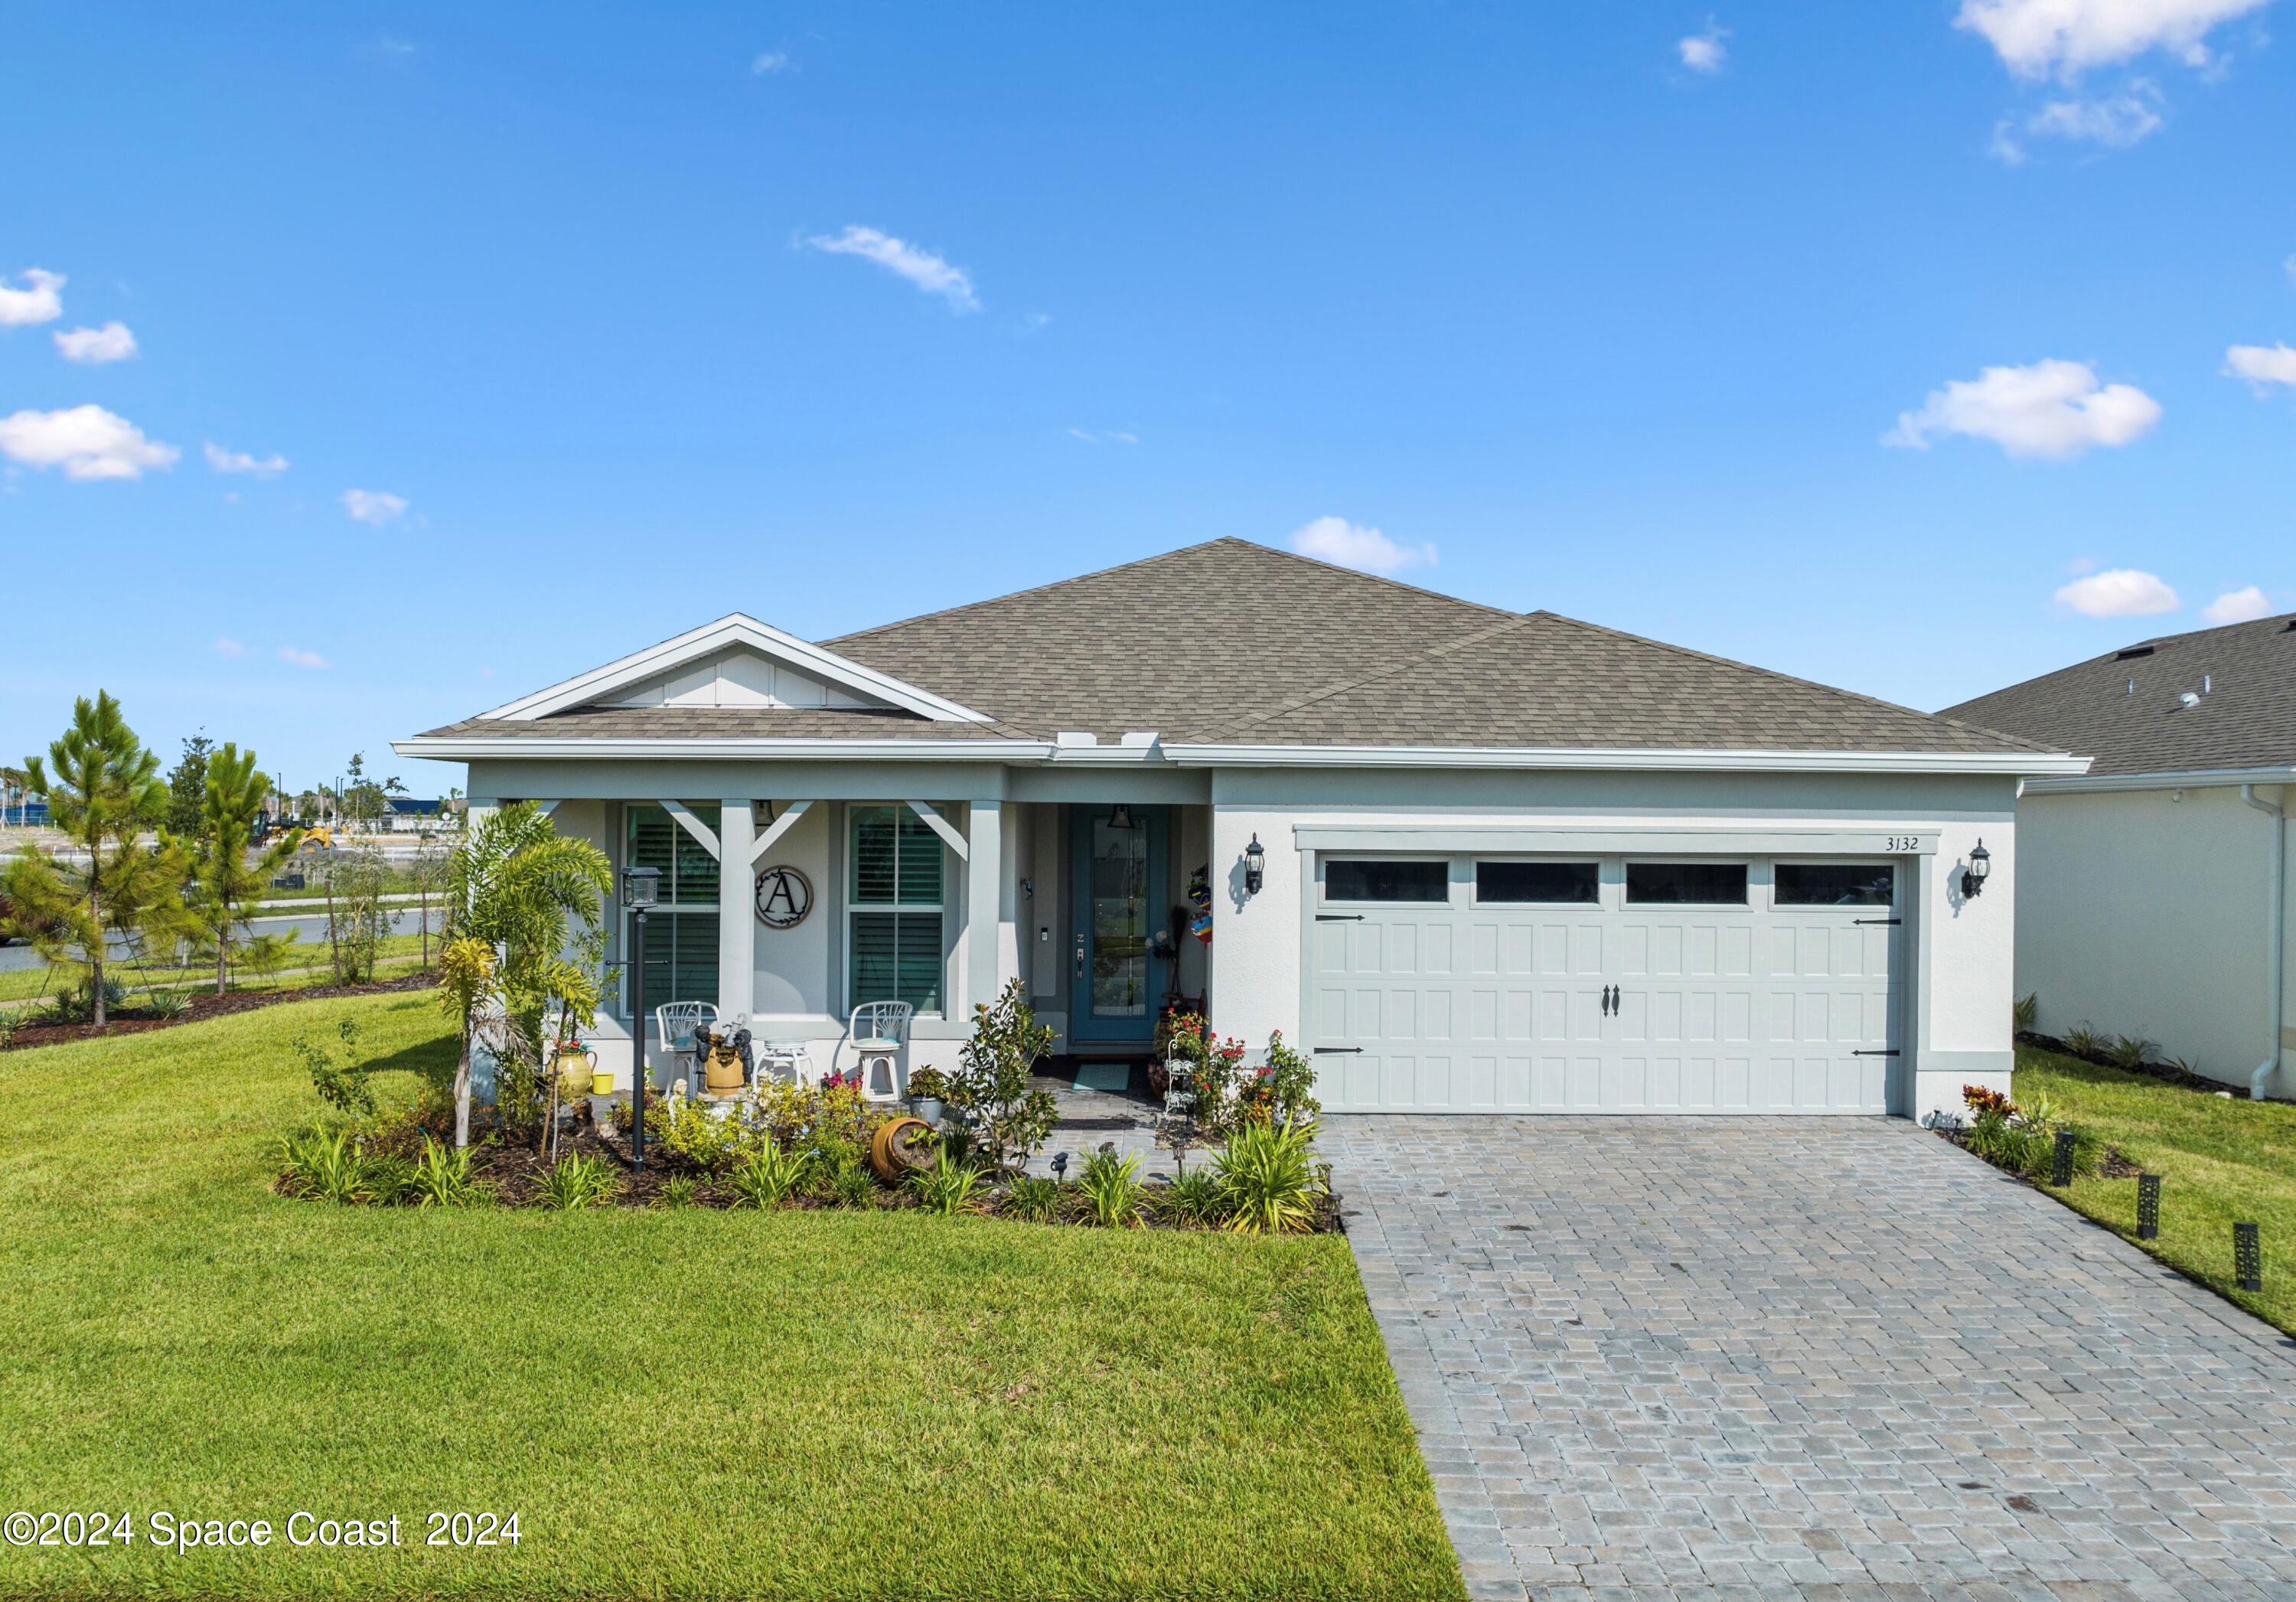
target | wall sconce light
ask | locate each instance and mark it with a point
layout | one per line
(1255, 866)
(1120, 816)
(1980, 868)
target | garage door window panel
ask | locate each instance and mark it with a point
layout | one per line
(1388, 881)
(1835, 883)
(1538, 883)
(1686, 883)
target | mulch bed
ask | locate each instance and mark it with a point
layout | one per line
(204, 1005)
(2163, 1071)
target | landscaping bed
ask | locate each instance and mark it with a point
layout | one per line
(813, 1402)
(199, 1006)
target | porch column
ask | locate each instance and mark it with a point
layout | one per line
(737, 921)
(984, 830)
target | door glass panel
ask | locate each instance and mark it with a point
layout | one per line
(1120, 921)
(1692, 884)
(1836, 884)
(1359, 880)
(1545, 881)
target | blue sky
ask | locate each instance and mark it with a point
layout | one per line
(1680, 320)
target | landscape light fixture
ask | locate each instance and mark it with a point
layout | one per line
(1255, 866)
(1980, 868)
(641, 889)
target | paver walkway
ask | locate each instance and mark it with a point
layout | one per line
(1825, 1357)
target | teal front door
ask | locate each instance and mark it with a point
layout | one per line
(1116, 976)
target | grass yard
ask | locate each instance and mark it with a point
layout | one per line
(2218, 1161)
(396, 955)
(804, 1404)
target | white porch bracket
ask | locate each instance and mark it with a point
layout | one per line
(944, 828)
(694, 826)
(775, 830)
(546, 807)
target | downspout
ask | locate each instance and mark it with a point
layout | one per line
(2274, 942)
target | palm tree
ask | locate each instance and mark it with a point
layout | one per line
(226, 878)
(535, 897)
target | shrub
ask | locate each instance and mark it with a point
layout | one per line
(577, 1181)
(712, 1142)
(947, 1188)
(389, 1179)
(1212, 1067)
(342, 1086)
(1265, 1179)
(2128, 1051)
(929, 1082)
(77, 1004)
(678, 1191)
(1980, 1101)
(2083, 1041)
(8, 1024)
(169, 1004)
(1114, 1195)
(2006, 1144)
(1033, 1197)
(325, 1165)
(766, 1177)
(990, 1087)
(441, 1177)
(2025, 1012)
(1192, 1199)
(853, 1188)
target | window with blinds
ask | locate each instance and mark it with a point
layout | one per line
(893, 909)
(681, 957)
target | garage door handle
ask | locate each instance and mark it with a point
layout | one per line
(1339, 917)
(1890, 1052)
(1877, 920)
(1339, 1051)
(1609, 999)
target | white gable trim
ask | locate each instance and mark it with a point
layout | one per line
(734, 629)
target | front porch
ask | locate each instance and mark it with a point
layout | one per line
(785, 913)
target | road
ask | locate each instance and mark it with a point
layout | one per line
(313, 936)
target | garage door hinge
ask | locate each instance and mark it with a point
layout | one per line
(1877, 920)
(1890, 1052)
(1336, 1051)
(1339, 917)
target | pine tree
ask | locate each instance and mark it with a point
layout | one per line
(227, 879)
(187, 784)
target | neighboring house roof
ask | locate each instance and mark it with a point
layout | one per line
(1233, 644)
(2126, 710)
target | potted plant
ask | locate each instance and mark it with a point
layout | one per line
(576, 1065)
(927, 1089)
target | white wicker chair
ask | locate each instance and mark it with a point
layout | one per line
(680, 1024)
(880, 1030)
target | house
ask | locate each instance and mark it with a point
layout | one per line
(2152, 890)
(405, 814)
(1475, 860)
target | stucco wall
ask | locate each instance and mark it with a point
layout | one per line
(2146, 912)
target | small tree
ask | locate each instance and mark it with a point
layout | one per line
(105, 793)
(187, 784)
(991, 1084)
(356, 918)
(227, 873)
(466, 985)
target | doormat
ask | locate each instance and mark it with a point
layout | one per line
(1103, 1076)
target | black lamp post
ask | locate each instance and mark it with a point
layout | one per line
(1980, 866)
(641, 889)
(1255, 866)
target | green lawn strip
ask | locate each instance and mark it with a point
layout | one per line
(2220, 1162)
(787, 1404)
(31, 984)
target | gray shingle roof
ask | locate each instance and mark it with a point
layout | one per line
(2124, 709)
(1235, 643)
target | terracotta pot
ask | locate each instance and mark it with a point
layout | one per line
(892, 1153)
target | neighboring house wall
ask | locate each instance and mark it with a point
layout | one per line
(2147, 912)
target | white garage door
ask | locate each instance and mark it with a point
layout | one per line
(1604, 985)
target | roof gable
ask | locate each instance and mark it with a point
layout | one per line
(735, 662)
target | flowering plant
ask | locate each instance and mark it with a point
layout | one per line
(1982, 1101)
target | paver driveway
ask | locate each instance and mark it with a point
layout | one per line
(1838, 1356)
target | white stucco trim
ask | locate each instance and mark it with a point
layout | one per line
(735, 628)
(1496, 835)
(2199, 778)
(1628, 759)
(480, 748)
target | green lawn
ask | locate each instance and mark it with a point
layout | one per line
(2218, 1161)
(397, 954)
(692, 1403)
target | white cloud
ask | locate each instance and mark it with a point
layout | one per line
(2263, 365)
(2119, 592)
(110, 343)
(303, 658)
(2289, 266)
(2240, 605)
(240, 461)
(928, 272)
(2037, 37)
(1705, 52)
(38, 303)
(226, 647)
(1112, 436)
(2119, 120)
(2053, 408)
(86, 441)
(1335, 539)
(376, 507)
(768, 62)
